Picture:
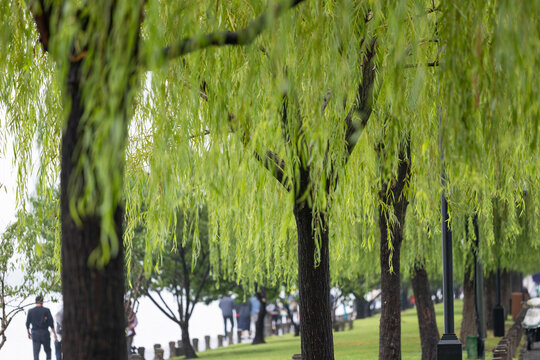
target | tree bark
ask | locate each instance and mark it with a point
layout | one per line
(259, 324)
(314, 287)
(506, 292)
(468, 322)
(94, 323)
(294, 324)
(390, 322)
(429, 333)
(189, 352)
(490, 298)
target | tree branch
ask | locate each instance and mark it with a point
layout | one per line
(41, 15)
(172, 317)
(428, 64)
(360, 112)
(270, 160)
(241, 37)
(273, 163)
(198, 293)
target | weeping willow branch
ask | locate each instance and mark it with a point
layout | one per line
(357, 118)
(235, 38)
(429, 64)
(42, 14)
(272, 162)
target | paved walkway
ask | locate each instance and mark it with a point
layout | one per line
(533, 354)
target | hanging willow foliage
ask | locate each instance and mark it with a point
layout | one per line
(200, 123)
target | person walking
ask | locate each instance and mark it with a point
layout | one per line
(58, 343)
(227, 304)
(41, 320)
(255, 307)
(244, 316)
(132, 322)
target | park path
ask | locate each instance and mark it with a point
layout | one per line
(534, 353)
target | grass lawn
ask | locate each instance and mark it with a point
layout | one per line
(360, 343)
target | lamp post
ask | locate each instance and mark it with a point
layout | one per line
(498, 310)
(479, 291)
(449, 347)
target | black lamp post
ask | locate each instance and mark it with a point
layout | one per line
(498, 310)
(449, 347)
(479, 292)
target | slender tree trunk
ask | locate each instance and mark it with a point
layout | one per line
(390, 322)
(429, 333)
(506, 292)
(490, 298)
(94, 324)
(259, 324)
(314, 285)
(189, 352)
(468, 322)
(362, 307)
(294, 324)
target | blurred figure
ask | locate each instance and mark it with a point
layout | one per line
(244, 316)
(255, 307)
(274, 310)
(226, 305)
(131, 320)
(58, 343)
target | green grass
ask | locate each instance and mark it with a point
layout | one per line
(360, 343)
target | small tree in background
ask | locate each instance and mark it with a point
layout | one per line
(27, 249)
(186, 273)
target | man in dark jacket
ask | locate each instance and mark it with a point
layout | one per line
(41, 319)
(227, 305)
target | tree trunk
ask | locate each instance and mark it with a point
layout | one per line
(314, 287)
(506, 292)
(390, 322)
(490, 298)
(94, 324)
(468, 322)
(295, 325)
(429, 333)
(259, 324)
(189, 352)
(362, 307)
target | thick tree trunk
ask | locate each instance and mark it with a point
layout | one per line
(468, 322)
(390, 322)
(259, 324)
(94, 324)
(189, 352)
(429, 333)
(314, 285)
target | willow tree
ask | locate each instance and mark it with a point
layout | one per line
(288, 122)
(302, 135)
(82, 79)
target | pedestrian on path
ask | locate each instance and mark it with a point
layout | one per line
(41, 320)
(227, 304)
(58, 343)
(255, 307)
